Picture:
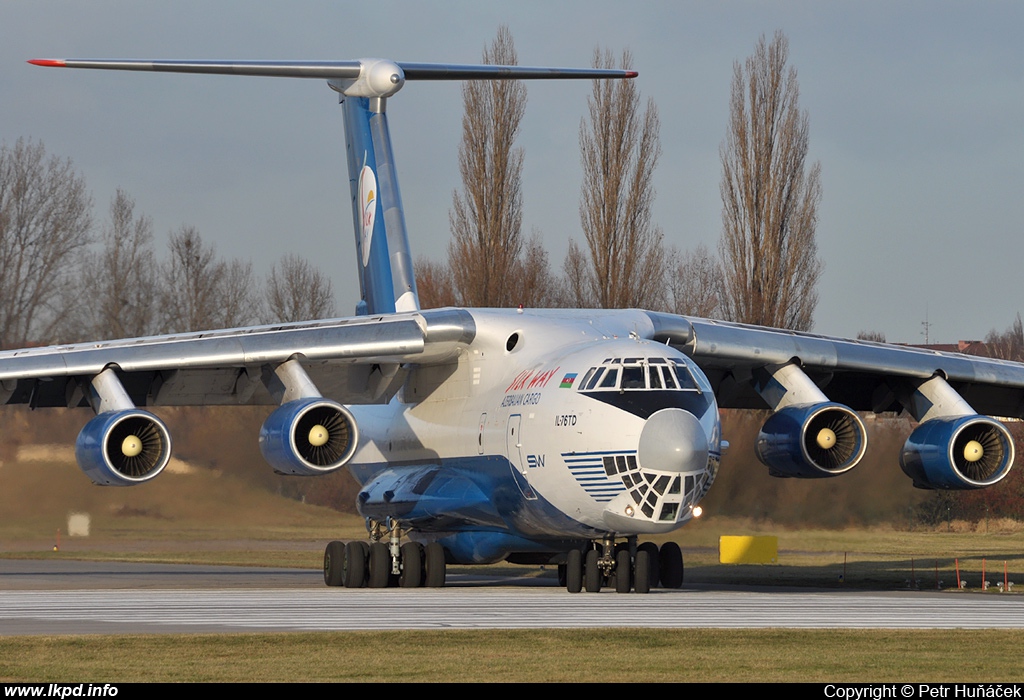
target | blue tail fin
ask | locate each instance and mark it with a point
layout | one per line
(385, 264)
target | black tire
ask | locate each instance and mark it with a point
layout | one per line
(380, 565)
(671, 565)
(334, 564)
(435, 566)
(652, 558)
(412, 566)
(574, 571)
(623, 571)
(592, 572)
(561, 575)
(423, 563)
(355, 565)
(642, 571)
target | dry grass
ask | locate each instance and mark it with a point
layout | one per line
(623, 655)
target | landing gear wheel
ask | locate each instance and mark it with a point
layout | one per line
(574, 571)
(380, 565)
(355, 565)
(671, 564)
(642, 571)
(652, 558)
(334, 564)
(623, 566)
(592, 572)
(435, 568)
(412, 566)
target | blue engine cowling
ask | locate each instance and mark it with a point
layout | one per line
(123, 448)
(811, 441)
(966, 452)
(307, 437)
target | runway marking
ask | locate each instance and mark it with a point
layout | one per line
(475, 608)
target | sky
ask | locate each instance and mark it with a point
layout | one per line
(916, 112)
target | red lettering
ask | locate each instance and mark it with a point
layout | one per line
(519, 382)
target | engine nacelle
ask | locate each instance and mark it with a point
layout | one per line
(964, 452)
(123, 448)
(307, 437)
(811, 441)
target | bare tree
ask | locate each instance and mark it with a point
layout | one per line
(297, 291)
(188, 295)
(871, 336)
(201, 292)
(119, 280)
(695, 283)
(241, 295)
(45, 220)
(486, 217)
(435, 284)
(619, 149)
(1008, 345)
(769, 198)
(533, 283)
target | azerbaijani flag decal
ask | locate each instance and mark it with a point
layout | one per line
(567, 381)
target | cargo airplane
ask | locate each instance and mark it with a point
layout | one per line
(557, 437)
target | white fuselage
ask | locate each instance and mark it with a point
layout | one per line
(556, 403)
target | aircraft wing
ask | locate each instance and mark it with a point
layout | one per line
(864, 375)
(351, 360)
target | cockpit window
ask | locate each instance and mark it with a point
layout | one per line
(597, 372)
(639, 373)
(654, 375)
(586, 377)
(686, 380)
(611, 379)
(670, 378)
(633, 378)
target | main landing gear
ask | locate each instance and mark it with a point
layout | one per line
(623, 566)
(380, 564)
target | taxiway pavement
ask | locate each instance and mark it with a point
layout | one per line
(45, 597)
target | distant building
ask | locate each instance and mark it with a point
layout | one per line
(978, 348)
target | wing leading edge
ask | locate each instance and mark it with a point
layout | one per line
(864, 375)
(228, 366)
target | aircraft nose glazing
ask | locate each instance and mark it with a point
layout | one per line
(673, 440)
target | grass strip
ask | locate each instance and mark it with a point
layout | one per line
(616, 655)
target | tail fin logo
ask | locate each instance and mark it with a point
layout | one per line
(368, 205)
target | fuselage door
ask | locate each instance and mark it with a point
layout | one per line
(514, 447)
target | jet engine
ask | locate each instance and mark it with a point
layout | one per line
(309, 436)
(123, 448)
(962, 452)
(811, 441)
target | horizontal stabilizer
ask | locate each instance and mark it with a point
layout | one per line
(365, 77)
(340, 69)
